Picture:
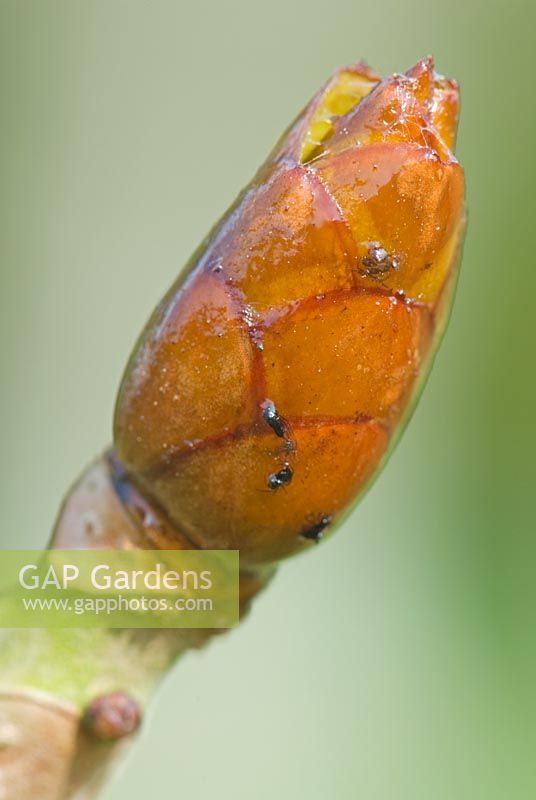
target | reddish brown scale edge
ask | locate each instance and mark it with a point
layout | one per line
(272, 525)
(168, 461)
(172, 459)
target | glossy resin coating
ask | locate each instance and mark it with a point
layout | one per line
(269, 382)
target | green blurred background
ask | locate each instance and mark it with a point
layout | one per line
(399, 660)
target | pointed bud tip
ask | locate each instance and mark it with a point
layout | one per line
(423, 67)
(440, 95)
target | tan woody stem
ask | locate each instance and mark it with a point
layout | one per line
(70, 699)
(46, 751)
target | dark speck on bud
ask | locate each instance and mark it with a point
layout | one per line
(272, 418)
(112, 716)
(277, 479)
(378, 261)
(314, 532)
